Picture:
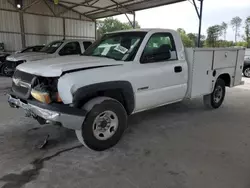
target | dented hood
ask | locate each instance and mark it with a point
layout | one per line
(55, 67)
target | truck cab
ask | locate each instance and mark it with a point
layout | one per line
(52, 50)
(121, 74)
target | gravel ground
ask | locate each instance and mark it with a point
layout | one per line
(177, 146)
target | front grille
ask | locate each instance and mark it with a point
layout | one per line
(20, 89)
(24, 76)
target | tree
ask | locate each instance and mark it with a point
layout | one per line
(236, 23)
(187, 42)
(224, 27)
(181, 30)
(111, 24)
(213, 34)
(247, 31)
(194, 38)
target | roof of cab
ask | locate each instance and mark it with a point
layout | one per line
(72, 40)
(144, 30)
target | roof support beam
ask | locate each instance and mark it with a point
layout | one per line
(131, 5)
(49, 7)
(67, 9)
(120, 5)
(13, 4)
(74, 6)
(31, 4)
(131, 23)
(199, 14)
(91, 6)
(111, 6)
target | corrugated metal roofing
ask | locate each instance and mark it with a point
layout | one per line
(95, 9)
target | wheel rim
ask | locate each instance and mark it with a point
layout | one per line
(247, 72)
(7, 70)
(105, 125)
(218, 94)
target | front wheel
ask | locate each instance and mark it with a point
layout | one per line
(104, 124)
(216, 98)
(7, 69)
(246, 72)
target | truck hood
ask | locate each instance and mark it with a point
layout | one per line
(54, 67)
(28, 56)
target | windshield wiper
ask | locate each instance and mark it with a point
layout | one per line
(107, 56)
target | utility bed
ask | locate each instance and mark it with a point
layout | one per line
(205, 64)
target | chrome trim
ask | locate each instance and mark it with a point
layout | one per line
(19, 82)
(68, 121)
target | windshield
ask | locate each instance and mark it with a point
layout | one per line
(51, 47)
(118, 46)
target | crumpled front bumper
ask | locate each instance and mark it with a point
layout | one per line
(68, 117)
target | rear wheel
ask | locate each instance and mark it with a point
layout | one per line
(246, 72)
(216, 98)
(104, 124)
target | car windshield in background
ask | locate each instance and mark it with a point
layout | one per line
(118, 46)
(52, 47)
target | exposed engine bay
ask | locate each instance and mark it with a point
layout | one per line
(45, 90)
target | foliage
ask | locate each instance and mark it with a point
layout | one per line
(213, 34)
(112, 24)
(224, 27)
(241, 43)
(187, 42)
(247, 31)
(236, 23)
(194, 38)
(216, 34)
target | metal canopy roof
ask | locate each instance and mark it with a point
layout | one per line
(95, 9)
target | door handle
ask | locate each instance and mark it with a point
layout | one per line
(178, 69)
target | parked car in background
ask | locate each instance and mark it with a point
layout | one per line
(52, 50)
(36, 48)
(4, 55)
(246, 69)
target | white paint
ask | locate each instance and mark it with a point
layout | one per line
(154, 84)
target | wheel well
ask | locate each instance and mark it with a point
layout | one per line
(246, 66)
(116, 94)
(226, 79)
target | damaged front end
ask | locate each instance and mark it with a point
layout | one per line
(39, 97)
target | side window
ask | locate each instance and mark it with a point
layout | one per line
(71, 48)
(160, 47)
(86, 45)
(29, 49)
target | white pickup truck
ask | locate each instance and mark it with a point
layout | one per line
(52, 50)
(121, 74)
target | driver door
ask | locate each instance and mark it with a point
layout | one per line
(164, 78)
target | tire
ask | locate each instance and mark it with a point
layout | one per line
(246, 72)
(5, 67)
(90, 135)
(216, 98)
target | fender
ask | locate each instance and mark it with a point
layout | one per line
(90, 91)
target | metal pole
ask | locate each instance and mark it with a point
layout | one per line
(200, 22)
(22, 29)
(64, 29)
(134, 24)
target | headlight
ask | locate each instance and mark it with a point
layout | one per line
(43, 97)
